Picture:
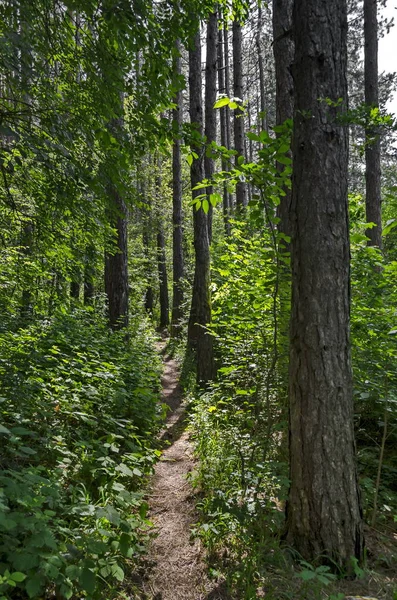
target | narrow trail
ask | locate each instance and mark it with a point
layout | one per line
(179, 568)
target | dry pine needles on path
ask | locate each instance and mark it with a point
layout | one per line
(179, 570)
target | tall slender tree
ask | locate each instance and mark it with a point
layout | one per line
(238, 121)
(324, 513)
(372, 141)
(223, 127)
(283, 49)
(210, 98)
(200, 312)
(177, 232)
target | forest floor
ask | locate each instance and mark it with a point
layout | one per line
(177, 568)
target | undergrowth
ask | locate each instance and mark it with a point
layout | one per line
(240, 424)
(78, 418)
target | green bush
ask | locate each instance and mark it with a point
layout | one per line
(78, 415)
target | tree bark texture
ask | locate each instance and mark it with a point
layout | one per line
(261, 68)
(177, 232)
(89, 275)
(283, 50)
(238, 120)
(200, 313)
(116, 263)
(210, 99)
(163, 279)
(223, 127)
(324, 517)
(373, 200)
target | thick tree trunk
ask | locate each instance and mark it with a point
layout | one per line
(223, 126)
(116, 263)
(163, 279)
(283, 49)
(372, 148)
(238, 121)
(210, 99)
(324, 513)
(177, 235)
(200, 313)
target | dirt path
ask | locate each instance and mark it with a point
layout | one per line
(179, 569)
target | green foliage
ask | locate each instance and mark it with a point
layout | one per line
(78, 414)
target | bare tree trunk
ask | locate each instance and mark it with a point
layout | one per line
(373, 198)
(177, 235)
(200, 313)
(238, 121)
(116, 263)
(261, 66)
(283, 49)
(210, 99)
(163, 279)
(223, 126)
(89, 274)
(324, 516)
(226, 55)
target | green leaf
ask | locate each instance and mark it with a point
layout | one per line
(206, 206)
(189, 159)
(124, 470)
(4, 430)
(224, 101)
(87, 580)
(35, 585)
(18, 577)
(390, 225)
(118, 572)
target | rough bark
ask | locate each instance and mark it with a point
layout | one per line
(89, 275)
(200, 312)
(261, 68)
(324, 517)
(163, 279)
(238, 120)
(223, 128)
(116, 263)
(283, 49)
(210, 99)
(372, 148)
(177, 235)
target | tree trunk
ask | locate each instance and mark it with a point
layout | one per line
(116, 263)
(75, 290)
(261, 66)
(200, 313)
(163, 279)
(238, 121)
(223, 128)
(372, 141)
(210, 99)
(27, 245)
(283, 49)
(177, 232)
(89, 275)
(323, 514)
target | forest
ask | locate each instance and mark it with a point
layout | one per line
(198, 291)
